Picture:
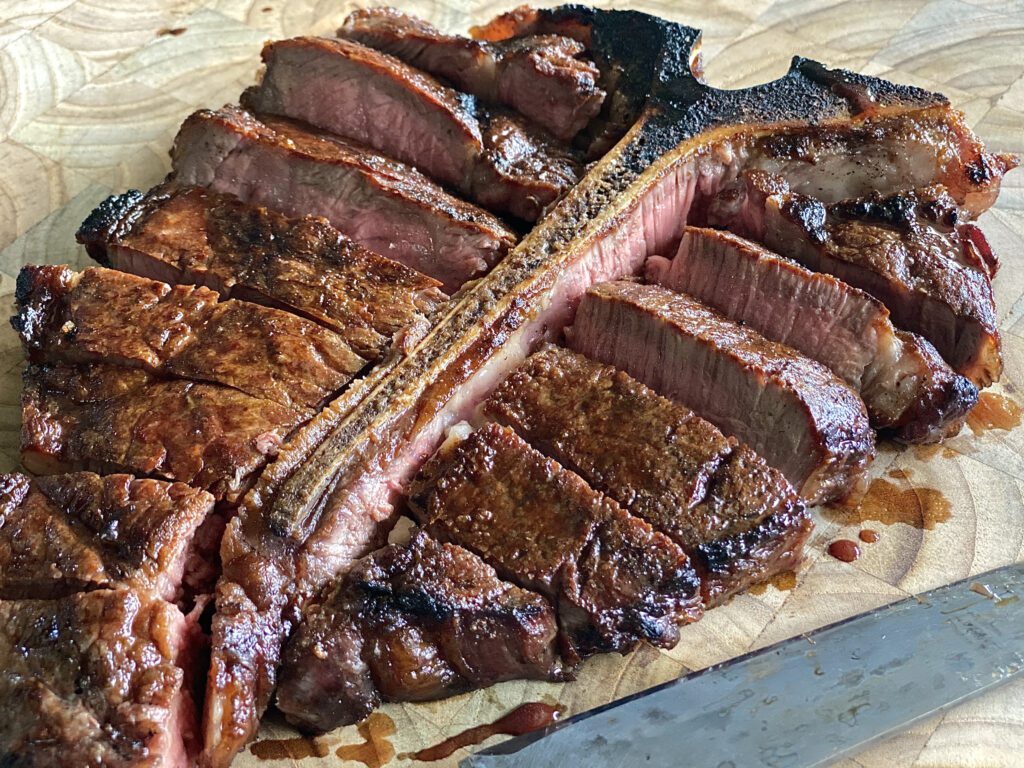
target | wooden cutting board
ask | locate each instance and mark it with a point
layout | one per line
(92, 92)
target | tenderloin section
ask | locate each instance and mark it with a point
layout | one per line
(614, 580)
(739, 520)
(413, 623)
(914, 251)
(796, 413)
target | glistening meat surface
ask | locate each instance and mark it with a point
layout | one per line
(739, 520)
(914, 250)
(614, 580)
(94, 679)
(196, 236)
(413, 622)
(79, 532)
(796, 413)
(110, 418)
(184, 332)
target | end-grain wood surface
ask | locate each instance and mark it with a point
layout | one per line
(92, 92)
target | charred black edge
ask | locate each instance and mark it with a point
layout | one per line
(110, 220)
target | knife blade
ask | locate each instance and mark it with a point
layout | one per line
(806, 701)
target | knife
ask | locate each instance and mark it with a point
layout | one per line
(806, 701)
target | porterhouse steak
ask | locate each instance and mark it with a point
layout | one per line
(320, 389)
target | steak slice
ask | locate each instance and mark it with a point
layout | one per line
(102, 315)
(377, 100)
(738, 519)
(904, 383)
(196, 236)
(381, 204)
(543, 77)
(797, 414)
(94, 679)
(913, 250)
(79, 532)
(109, 418)
(413, 623)
(614, 580)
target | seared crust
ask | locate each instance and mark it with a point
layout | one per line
(79, 531)
(92, 679)
(101, 315)
(738, 519)
(109, 418)
(413, 623)
(907, 249)
(614, 581)
(796, 413)
(194, 235)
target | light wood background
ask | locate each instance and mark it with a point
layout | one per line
(92, 92)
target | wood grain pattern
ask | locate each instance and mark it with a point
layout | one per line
(92, 91)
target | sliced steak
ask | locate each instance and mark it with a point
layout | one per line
(79, 532)
(613, 579)
(377, 100)
(543, 77)
(413, 623)
(102, 315)
(795, 412)
(331, 492)
(196, 236)
(382, 204)
(739, 520)
(109, 418)
(912, 250)
(93, 679)
(904, 383)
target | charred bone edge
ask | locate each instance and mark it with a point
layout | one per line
(353, 436)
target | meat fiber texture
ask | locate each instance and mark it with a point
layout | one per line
(797, 414)
(382, 204)
(546, 78)
(493, 156)
(905, 385)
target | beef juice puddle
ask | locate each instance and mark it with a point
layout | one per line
(376, 749)
(783, 582)
(993, 411)
(289, 749)
(844, 550)
(531, 716)
(889, 503)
